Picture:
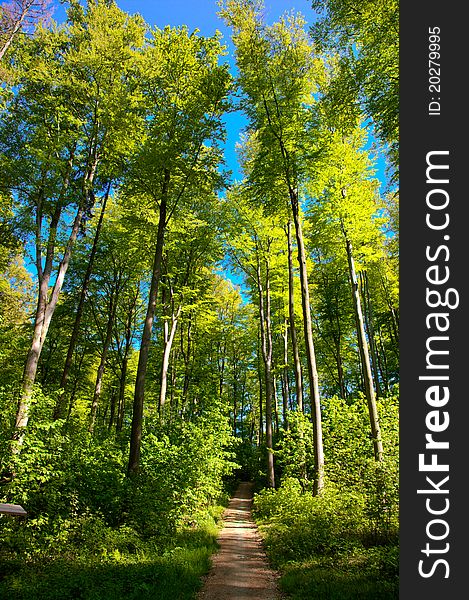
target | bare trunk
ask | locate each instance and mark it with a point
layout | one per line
(32, 360)
(113, 405)
(310, 352)
(139, 394)
(365, 358)
(186, 355)
(235, 407)
(266, 343)
(340, 374)
(285, 384)
(79, 311)
(102, 363)
(14, 31)
(44, 312)
(368, 314)
(121, 398)
(291, 313)
(261, 394)
(276, 416)
(168, 343)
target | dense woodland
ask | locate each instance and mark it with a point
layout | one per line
(167, 329)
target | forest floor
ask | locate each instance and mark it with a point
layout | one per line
(240, 569)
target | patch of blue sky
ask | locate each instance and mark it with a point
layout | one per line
(202, 15)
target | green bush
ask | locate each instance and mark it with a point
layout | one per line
(342, 544)
(92, 532)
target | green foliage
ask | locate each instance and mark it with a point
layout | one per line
(343, 543)
(366, 35)
(337, 545)
(90, 528)
(182, 471)
(365, 574)
(105, 102)
(294, 449)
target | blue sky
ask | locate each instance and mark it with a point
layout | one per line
(202, 15)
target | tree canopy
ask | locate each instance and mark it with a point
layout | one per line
(164, 329)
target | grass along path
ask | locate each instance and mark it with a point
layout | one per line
(240, 569)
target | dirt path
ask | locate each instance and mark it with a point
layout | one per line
(240, 570)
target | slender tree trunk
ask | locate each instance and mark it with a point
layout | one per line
(364, 355)
(285, 384)
(392, 311)
(383, 363)
(121, 397)
(139, 394)
(46, 305)
(235, 407)
(15, 29)
(44, 312)
(291, 313)
(266, 342)
(310, 351)
(276, 411)
(340, 373)
(114, 407)
(368, 314)
(79, 311)
(168, 343)
(131, 314)
(221, 360)
(261, 391)
(187, 355)
(102, 363)
(173, 397)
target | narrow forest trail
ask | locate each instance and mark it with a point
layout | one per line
(240, 569)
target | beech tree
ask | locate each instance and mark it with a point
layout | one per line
(365, 35)
(348, 203)
(277, 73)
(256, 246)
(184, 90)
(73, 98)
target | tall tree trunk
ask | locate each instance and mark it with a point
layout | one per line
(392, 311)
(168, 343)
(383, 363)
(261, 391)
(266, 343)
(276, 411)
(291, 314)
(235, 407)
(310, 351)
(114, 407)
(186, 355)
(131, 310)
(139, 394)
(285, 384)
(364, 354)
(16, 26)
(340, 373)
(79, 311)
(46, 305)
(368, 315)
(121, 396)
(45, 310)
(102, 363)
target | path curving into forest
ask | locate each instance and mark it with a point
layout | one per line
(240, 570)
